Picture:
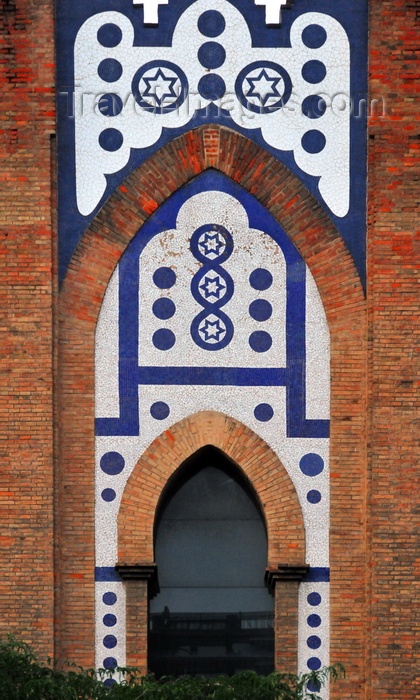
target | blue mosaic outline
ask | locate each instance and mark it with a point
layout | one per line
(71, 14)
(131, 375)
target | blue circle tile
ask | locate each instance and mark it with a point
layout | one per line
(311, 464)
(110, 70)
(109, 35)
(211, 87)
(313, 663)
(164, 308)
(314, 72)
(159, 410)
(108, 495)
(260, 341)
(313, 642)
(211, 55)
(110, 104)
(163, 339)
(112, 463)
(164, 278)
(110, 662)
(313, 496)
(314, 106)
(260, 310)
(261, 279)
(110, 641)
(314, 599)
(211, 23)
(111, 139)
(110, 682)
(314, 686)
(263, 412)
(314, 36)
(313, 141)
(314, 620)
(109, 620)
(109, 598)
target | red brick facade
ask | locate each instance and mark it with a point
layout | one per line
(374, 472)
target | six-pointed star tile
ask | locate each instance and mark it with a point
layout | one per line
(212, 286)
(212, 243)
(160, 87)
(263, 87)
(212, 329)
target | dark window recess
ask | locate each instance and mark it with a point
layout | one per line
(213, 614)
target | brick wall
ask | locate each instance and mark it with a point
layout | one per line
(393, 293)
(26, 465)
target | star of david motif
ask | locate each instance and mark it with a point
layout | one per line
(213, 287)
(263, 87)
(160, 87)
(212, 245)
(212, 331)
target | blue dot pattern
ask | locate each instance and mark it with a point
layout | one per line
(211, 87)
(163, 339)
(164, 278)
(314, 106)
(263, 412)
(260, 341)
(110, 70)
(211, 55)
(110, 641)
(112, 463)
(260, 310)
(313, 663)
(164, 308)
(314, 72)
(110, 105)
(314, 36)
(314, 620)
(159, 410)
(111, 140)
(261, 279)
(313, 642)
(109, 35)
(211, 23)
(314, 599)
(109, 598)
(311, 464)
(313, 141)
(108, 495)
(109, 620)
(313, 496)
(110, 662)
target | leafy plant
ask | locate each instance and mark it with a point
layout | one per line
(23, 677)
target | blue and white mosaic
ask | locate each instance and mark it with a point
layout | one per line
(297, 97)
(291, 76)
(213, 313)
(211, 307)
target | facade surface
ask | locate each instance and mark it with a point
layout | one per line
(188, 261)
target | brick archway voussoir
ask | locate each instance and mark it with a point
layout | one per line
(261, 466)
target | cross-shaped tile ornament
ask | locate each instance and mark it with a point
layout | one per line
(273, 9)
(150, 9)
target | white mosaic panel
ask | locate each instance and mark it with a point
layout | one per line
(173, 74)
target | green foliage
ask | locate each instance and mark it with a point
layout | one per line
(23, 677)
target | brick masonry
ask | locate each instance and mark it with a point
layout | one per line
(374, 380)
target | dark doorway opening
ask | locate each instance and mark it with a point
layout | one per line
(213, 614)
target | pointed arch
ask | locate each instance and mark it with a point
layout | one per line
(91, 267)
(260, 465)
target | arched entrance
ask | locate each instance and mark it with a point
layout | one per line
(256, 465)
(213, 613)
